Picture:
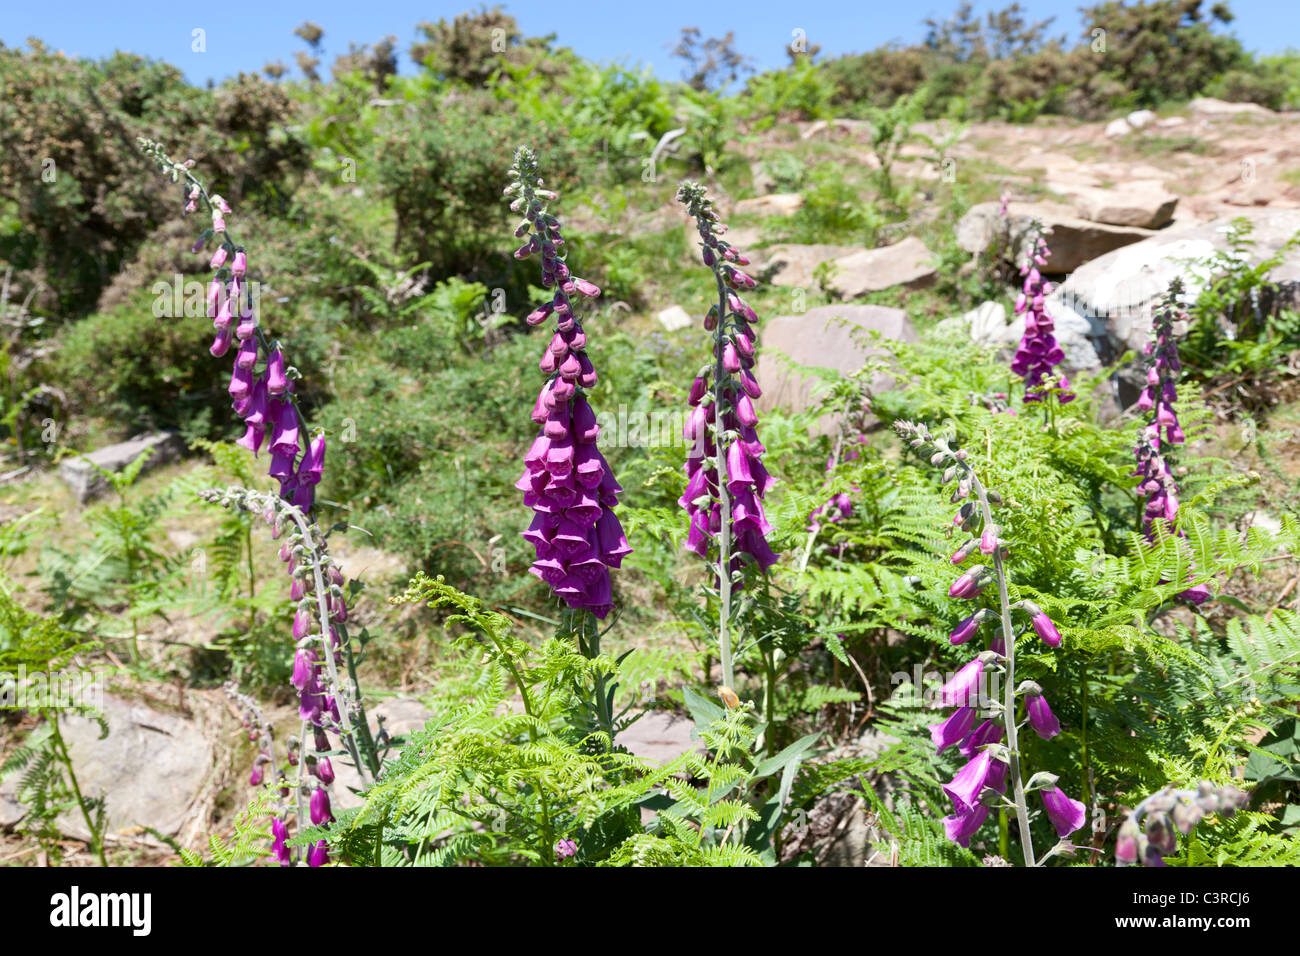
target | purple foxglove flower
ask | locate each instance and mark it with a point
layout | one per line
(246, 358)
(324, 770)
(1067, 815)
(1041, 717)
(988, 732)
(313, 463)
(961, 826)
(221, 344)
(1043, 625)
(256, 412)
(281, 463)
(276, 383)
(218, 257)
(304, 670)
(241, 382)
(319, 854)
(730, 358)
(698, 388)
(970, 584)
(280, 832)
(954, 729)
(239, 265)
(747, 479)
(284, 435)
(1128, 844)
(320, 807)
(252, 439)
(963, 687)
(964, 631)
(964, 788)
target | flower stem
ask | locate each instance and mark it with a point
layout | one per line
(96, 836)
(724, 496)
(1009, 692)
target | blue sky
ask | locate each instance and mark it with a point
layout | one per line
(244, 36)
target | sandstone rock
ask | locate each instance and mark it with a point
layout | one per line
(1169, 122)
(151, 769)
(773, 204)
(762, 180)
(673, 318)
(821, 338)
(1118, 127)
(1208, 106)
(82, 476)
(907, 263)
(793, 264)
(1074, 241)
(660, 737)
(1140, 119)
(1144, 203)
(1115, 294)
(828, 127)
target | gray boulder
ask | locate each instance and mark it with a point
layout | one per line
(1114, 295)
(826, 337)
(82, 476)
(151, 769)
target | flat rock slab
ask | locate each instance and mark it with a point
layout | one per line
(1144, 203)
(908, 263)
(1209, 106)
(793, 264)
(82, 476)
(660, 737)
(151, 769)
(773, 204)
(1073, 242)
(824, 338)
(673, 318)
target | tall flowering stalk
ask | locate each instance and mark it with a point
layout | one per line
(566, 480)
(721, 432)
(1038, 351)
(324, 670)
(261, 384)
(1150, 832)
(992, 747)
(261, 389)
(1162, 433)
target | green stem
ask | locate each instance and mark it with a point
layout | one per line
(1009, 693)
(96, 838)
(724, 496)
